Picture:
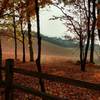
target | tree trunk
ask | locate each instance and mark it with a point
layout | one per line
(0, 59)
(88, 37)
(39, 48)
(30, 41)
(92, 35)
(81, 53)
(23, 39)
(98, 13)
(81, 44)
(29, 33)
(99, 34)
(15, 37)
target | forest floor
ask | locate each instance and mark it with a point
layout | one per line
(60, 66)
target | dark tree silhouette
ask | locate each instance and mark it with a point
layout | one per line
(29, 32)
(39, 46)
(98, 13)
(92, 31)
(23, 38)
(0, 59)
(88, 38)
(81, 52)
(14, 26)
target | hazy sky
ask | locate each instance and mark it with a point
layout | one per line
(51, 27)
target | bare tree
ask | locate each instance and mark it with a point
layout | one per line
(76, 26)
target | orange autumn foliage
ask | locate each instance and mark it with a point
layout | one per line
(21, 5)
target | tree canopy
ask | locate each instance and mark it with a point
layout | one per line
(20, 5)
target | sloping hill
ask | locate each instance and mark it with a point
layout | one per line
(47, 48)
(60, 42)
(57, 41)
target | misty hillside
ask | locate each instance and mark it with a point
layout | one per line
(57, 41)
(60, 42)
(48, 48)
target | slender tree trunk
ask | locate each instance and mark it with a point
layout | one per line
(81, 52)
(92, 35)
(15, 37)
(88, 37)
(23, 39)
(39, 47)
(81, 43)
(29, 33)
(0, 59)
(98, 13)
(99, 34)
(30, 41)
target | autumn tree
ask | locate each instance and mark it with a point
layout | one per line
(98, 17)
(2, 6)
(21, 11)
(23, 39)
(75, 20)
(39, 47)
(88, 36)
(38, 60)
(29, 13)
(0, 59)
(10, 6)
(29, 29)
(93, 31)
(14, 26)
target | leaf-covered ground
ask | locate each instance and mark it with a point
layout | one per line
(61, 67)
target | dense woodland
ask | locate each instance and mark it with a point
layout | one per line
(85, 25)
